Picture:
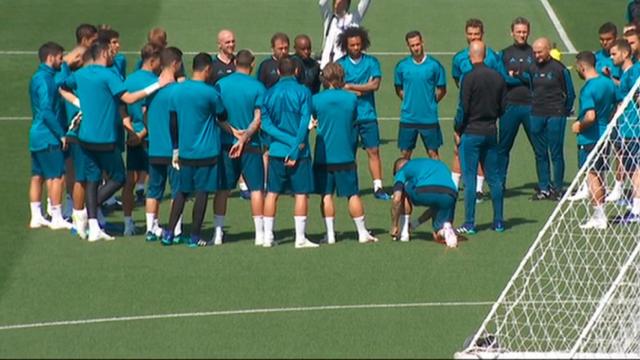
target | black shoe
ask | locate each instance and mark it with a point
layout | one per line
(556, 195)
(479, 197)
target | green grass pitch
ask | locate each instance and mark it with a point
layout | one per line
(48, 277)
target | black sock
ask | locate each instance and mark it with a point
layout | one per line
(199, 210)
(176, 211)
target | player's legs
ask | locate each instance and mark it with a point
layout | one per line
(205, 182)
(35, 201)
(406, 140)
(595, 183)
(470, 155)
(127, 203)
(509, 125)
(432, 141)
(555, 135)
(494, 177)
(541, 150)
(155, 192)
(370, 139)
(69, 180)
(276, 179)
(301, 179)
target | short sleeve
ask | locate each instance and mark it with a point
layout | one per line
(71, 82)
(587, 101)
(376, 72)
(441, 76)
(116, 85)
(397, 75)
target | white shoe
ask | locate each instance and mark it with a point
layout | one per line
(157, 230)
(614, 195)
(99, 235)
(38, 222)
(581, 194)
(450, 238)
(268, 241)
(60, 224)
(217, 238)
(405, 237)
(258, 241)
(368, 238)
(330, 240)
(80, 226)
(305, 243)
(593, 223)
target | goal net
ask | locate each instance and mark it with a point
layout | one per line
(576, 294)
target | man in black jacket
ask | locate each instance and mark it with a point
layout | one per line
(484, 94)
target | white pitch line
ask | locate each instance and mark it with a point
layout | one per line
(22, 118)
(240, 312)
(559, 28)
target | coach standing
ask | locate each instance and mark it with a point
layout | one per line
(552, 101)
(336, 18)
(483, 97)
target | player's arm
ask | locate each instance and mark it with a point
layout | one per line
(399, 92)
(465, 89)
(361, 10)
(173, 132)
(303, 128)
(130, 98)
(273, 131)
(253, 128)
(440, 93)
(586, 122)
(69, 97)
(397, 207)
(398, 80)
(45, 104)
(372, 85)
(441, 83)
(568, 90)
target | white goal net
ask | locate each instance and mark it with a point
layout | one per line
(576, 294)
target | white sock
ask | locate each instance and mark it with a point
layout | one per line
(243, 186)
(479, 183)
(79, 214)
(456, 178)
(94, 227)
(36, 209)
(268, 226)
(139, 186)
(636, 207)
(177, 231)
(377, 184)
(301, 224)
(360, 226)
(219, 222)
(258, 223)
(151, 217)
(404, 225)
(56, 213)
(598, 212)
(328, 223)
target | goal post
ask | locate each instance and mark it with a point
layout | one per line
(576, 293)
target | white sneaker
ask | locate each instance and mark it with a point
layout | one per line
(81, 227)
(258, 240)
(330, 240)
(217, 238)
(305, 243)
(60, 224)
(581, 194)
(157, 230)
(450, 238)
(99, 235)
(268, 241)
(614, 195)
(368, 238)
(38, 222)
(405, 237)
(595, 223)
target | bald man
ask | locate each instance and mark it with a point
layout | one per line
(308, 68)
(223, 62)
(483, 98)
(551, 103)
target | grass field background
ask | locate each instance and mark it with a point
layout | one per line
(47, 276)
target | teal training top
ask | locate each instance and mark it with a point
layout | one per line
(461, 64)
(419, 83)
(99, 90)
(336, 112)
(286, 113)
(360, 72)
(629, 123)
(158, 122)
(70, 110)
(241, 95)
(137, 81)
(197, 105)
(425, 172)
(599, 94)
(46, 106)
(120, 65)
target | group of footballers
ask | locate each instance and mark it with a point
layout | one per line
(221, 127)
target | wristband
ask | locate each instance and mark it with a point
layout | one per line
(175, 153)
(151, 88)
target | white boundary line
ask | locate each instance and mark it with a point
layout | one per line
(241, 312)
(559, 28)
(23, 118)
